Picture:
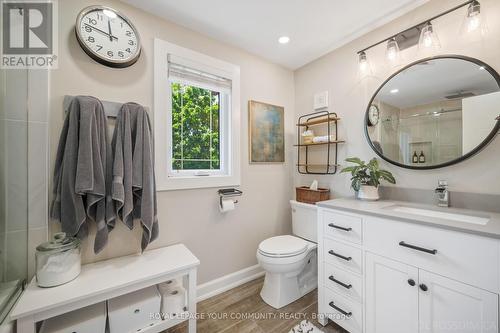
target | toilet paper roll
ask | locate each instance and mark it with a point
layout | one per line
(170, 285)
(226, 205)
(173, 303)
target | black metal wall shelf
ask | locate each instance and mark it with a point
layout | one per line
(329, 119)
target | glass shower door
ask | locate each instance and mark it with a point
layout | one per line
(13, 186)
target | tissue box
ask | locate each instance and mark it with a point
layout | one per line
(305, 194)
(134, 311)
(91, 319)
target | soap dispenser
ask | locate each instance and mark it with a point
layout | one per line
(415, 157)
(421, 157)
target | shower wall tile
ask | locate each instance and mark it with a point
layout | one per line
(16, 95)
(2, 178)
(38, 103)
(37, 175)
(15, 253)
(16, 175)
(3, 247)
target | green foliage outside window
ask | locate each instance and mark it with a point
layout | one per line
(195, 128)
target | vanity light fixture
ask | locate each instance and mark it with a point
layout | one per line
(473, 20)
(392, 52)
(428, 37)
(394, 91)
(364, 65)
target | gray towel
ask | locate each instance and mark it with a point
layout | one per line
(134, 188)
(82, 173)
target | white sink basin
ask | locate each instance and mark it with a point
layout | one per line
(441, 215)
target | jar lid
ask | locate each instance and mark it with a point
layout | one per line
(60, 242)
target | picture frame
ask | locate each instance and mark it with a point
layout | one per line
(266, 133)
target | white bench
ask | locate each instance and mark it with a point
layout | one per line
(107, 279)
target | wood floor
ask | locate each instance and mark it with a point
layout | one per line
(223, 313)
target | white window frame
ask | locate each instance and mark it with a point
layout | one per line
(166, 178)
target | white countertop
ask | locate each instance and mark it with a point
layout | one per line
(382, 209)
(104, 277)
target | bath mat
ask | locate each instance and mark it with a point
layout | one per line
(305, 326)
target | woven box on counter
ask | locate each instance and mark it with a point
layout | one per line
(305, 194)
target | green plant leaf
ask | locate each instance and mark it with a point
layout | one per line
(356, 160)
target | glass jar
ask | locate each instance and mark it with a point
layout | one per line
(58, 261)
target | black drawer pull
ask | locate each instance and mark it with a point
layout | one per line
(331, 225)
(347, 314)
(340, 256)
(418, 248)
(347, 286)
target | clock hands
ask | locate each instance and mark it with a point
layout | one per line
(102, 32)
(109, 29)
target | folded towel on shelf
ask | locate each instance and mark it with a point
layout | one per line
(133, 187)
(324, 138)
(82, 172)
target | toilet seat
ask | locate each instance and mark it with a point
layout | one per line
(283, 246)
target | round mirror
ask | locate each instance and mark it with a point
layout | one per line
(435, 112)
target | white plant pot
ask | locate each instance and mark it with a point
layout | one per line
(368, 192)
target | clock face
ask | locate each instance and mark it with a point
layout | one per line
(373, 115)
(107, 36)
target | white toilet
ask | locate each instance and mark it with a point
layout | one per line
(290, 261)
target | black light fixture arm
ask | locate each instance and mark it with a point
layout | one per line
(420, 24)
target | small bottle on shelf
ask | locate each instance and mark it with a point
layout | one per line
(415, 157)
(421, 157)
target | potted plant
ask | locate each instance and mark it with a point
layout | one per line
(366, 177)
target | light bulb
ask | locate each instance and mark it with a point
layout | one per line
(428, 38)
(392, 52)
(284, 40)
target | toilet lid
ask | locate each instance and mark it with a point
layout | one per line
(283, 246)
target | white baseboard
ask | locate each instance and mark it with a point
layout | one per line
(230, 281)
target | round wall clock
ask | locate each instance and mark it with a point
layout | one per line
(373, 115)
(108, 36)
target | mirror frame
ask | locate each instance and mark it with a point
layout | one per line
(471, 153)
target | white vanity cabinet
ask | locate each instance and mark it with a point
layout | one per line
(381, 275)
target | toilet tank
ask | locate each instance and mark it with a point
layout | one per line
(304, 220)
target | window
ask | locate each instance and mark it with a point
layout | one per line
(195, 128)
(196, 119)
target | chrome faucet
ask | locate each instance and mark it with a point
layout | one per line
(442, 194)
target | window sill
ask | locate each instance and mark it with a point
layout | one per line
(194, 182)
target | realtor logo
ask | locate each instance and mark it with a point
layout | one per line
(28, 37)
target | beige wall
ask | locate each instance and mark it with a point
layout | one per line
(223, 243)
(337, 72)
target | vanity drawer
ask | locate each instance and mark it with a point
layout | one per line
(464, 257)
(343, 311)
(343, 255)
(345, 227)
(343, 282)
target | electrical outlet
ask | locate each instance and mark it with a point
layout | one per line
(321, 100)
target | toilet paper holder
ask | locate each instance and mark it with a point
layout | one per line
(227, 193)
